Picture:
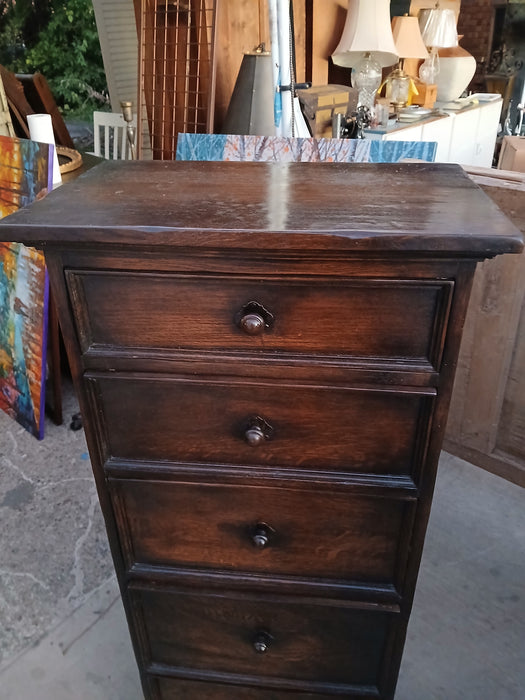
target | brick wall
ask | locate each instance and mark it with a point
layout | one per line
(475, 23)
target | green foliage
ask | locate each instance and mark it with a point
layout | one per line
(23, 21)
(59, 39)
(12, 21)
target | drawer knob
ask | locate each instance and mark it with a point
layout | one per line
(252, 324)
(261, 642)
(254, 318)
(261, 535)
(254, 436)
(257, 431)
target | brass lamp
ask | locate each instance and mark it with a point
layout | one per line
(127, 113)
(409, 44)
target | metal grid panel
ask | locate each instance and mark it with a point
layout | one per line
(176, 71)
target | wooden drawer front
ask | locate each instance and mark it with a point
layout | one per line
(180, 689)
(189, 420)
(305, 641)
(259, 529)
(378, 319)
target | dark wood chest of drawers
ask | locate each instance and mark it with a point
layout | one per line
(264, 356)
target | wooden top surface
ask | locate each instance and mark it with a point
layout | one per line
(360, 207)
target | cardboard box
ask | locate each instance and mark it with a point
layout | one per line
(321, 103)
(512, 154)
(427, 94)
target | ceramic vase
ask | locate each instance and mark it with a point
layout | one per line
(456, 69)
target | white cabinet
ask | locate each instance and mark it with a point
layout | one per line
(411, 133)
(440, 131)
(467, 137)
(464, 136)
(489, 116)
(474, 133)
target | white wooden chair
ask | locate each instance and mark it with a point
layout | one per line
(110, 136)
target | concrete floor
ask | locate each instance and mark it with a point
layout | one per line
(63, 634)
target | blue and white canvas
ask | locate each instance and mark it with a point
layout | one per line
(224, 147)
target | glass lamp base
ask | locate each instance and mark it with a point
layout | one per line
(366, 77)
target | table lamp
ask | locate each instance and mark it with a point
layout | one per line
(438, 30)
(366, 46)
(409, 44)
(450, 67)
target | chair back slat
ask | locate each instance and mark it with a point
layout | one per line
(110, 136)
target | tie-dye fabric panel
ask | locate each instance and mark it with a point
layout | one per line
(25, 175)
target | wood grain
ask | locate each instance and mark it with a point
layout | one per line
(487, 418)
(331, 534)
(204, 420)
(171, 689)
(364, 318)
(329, 644)
(373, 208)
(317, 440)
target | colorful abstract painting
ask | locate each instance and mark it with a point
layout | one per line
(25, 175)
(221, 147)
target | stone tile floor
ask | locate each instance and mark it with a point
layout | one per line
(63, 635)
(54, 551)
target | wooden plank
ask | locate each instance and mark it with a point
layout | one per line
(240, 29)
(328, 22)
(487, 419)
(40, 97)
(16, 99)
(500, 464)
(511, 436)
(117, 32)
(493, 319)
(490, 177)
(6, 125)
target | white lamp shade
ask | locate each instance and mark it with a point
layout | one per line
(407, 37)
(367, 30)
(438, 28)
